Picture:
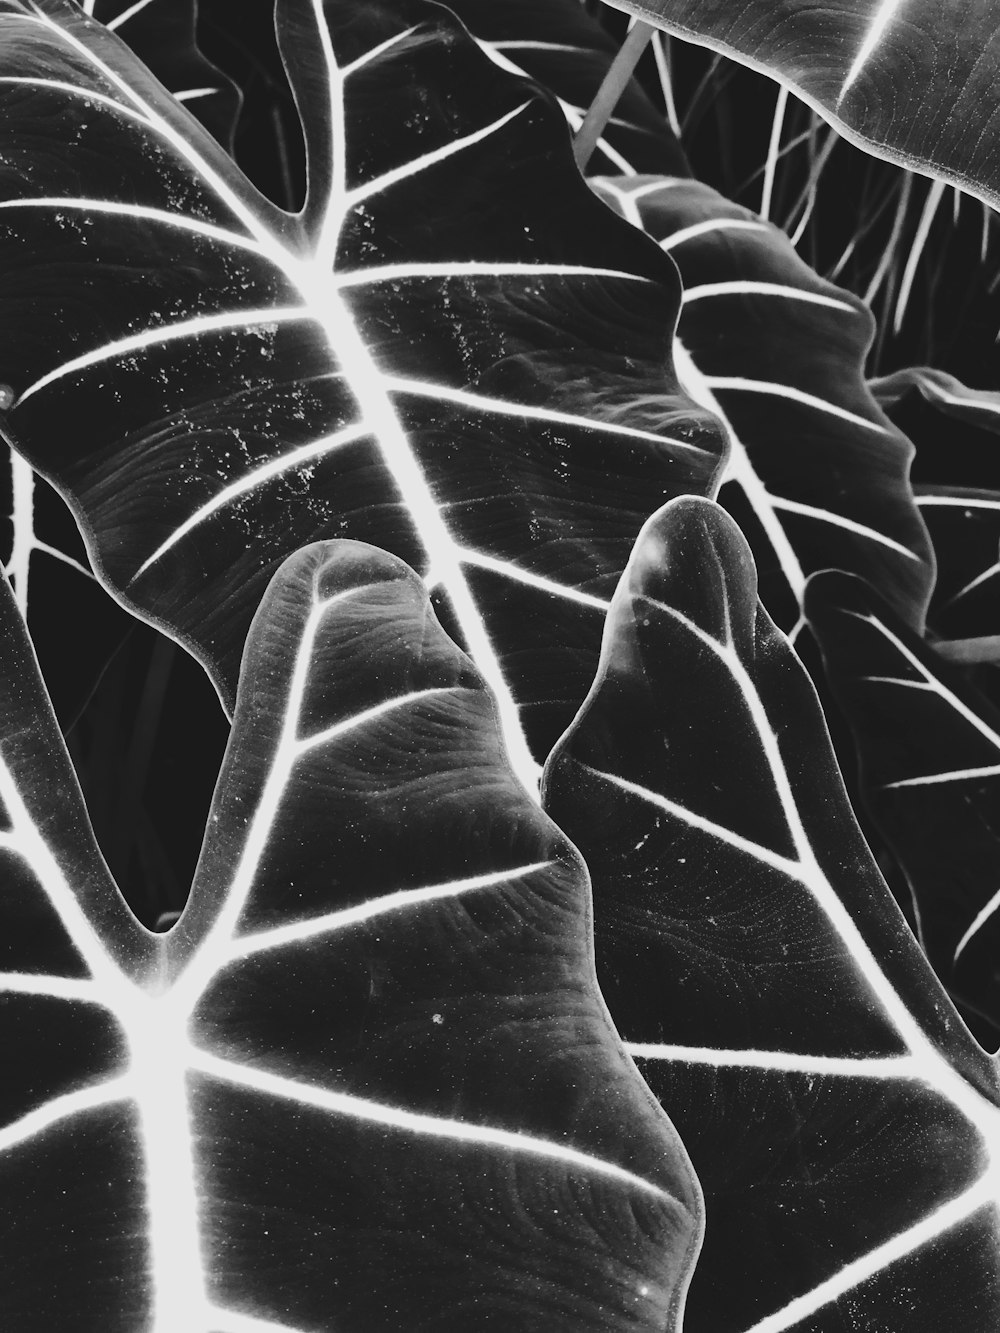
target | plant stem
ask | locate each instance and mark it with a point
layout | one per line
(985, 649)
(615, 81)
(777, 125)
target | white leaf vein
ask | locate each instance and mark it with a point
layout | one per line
(68, 1106)
(283, 463)
(952, 700)
(879, 1068)
(401, 901)
(508, 569)
(741, 384)
(164, 334)
(361, 193)
(140, 212)
(746, 287)
(411, 1122)
(842, 521)
(530, 412)
(850, 1275)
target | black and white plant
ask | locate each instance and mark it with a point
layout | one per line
(504, 481)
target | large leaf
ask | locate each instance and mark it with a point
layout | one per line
(915, 83)
(817, 475)
(453, 351)
(162, 33)
(929, 749)
(843, 1123)
(367, 1082)
(82, 638)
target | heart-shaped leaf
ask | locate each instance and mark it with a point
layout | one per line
(441, 353)
(914, 83)
(929, 751)
(367, 1081)
(817, 475)
(843, 1123)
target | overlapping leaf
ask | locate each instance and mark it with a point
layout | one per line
(979, 407)
(964, 525)
(914, 82)
(368, 1080)
(452, 351)
(163, 34)
(817, 475)
(929, 748)
(963, 519)
(842, 1121)
(568, 52)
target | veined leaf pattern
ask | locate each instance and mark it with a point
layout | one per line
(367, 1081)
(568, 52)
(979, 407)
(422, 357)
(963, 520)
(844, 1124)
(817, 475)
(964, 525)
(162, 32)
(929, 751)
(901, 78)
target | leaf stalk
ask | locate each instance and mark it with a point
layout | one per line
(970, 651)
(609, 94)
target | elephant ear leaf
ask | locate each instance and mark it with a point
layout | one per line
(40, 546)
(761, 973)
(929, 751)
(817, 476)
(439, 354)
(911, 82)
(367, 1081)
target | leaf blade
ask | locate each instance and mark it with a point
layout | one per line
(929, 752)
(787, 1021)
(895, 79)
(374, 1034)
(817, 474)
(209, 378)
